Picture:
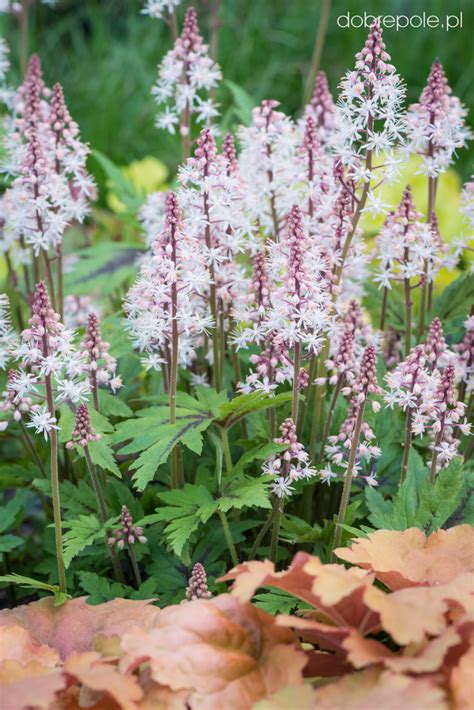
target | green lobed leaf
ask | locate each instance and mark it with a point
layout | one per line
(81, 533)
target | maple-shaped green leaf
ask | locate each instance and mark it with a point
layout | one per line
(184, 510)
(231, 412)
(245, 493)
(418, 502)
(81, 533)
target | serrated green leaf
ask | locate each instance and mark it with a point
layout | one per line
(243, 404)
(102, 455)
(9, 542)
(10, 510)
(418, 502)
(244, 493)
(28, 582)
(278, 602)
(113, 406)
(185, 509)
(82, 532)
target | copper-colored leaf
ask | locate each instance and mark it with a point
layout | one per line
(71, 628)
(409, 558)
(16, 644)
(373, 690)
(462, 682)
(410, 615)
(225, 653)
(100, 675)
(300, 697)
(29, 685)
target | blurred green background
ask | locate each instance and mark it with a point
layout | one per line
(105, 54)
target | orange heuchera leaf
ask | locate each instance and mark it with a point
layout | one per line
(335, 591)
(16, 644)
(410, 615)
(249, 576)
(375, 690)
(461, 681)
(409, 558)
(226, 654)
(296, 697)
(29, 685)
(71, 628)
(97, 674)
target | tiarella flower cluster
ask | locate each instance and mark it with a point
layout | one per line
(369, 114)
(301, 301)
(211, 197)
(465, 358)
(407, 248)
(436, 347)
(355, 432)
(52, 187)
(99, 364)
(83, 432)
(175, 260)
(435, 126)
(185, 77)
(8, 338)
(268, 165)
(410, 385)
(128, 533)
(51, 370)
(444, 418)
(289, 466)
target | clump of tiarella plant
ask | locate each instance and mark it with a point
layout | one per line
(246, 373)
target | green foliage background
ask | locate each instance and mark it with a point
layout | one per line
(105, 54)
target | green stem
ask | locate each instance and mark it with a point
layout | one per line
(348, 481)
(57, 511)
(384, 308)
(318, 48)
(228, 537)
(332, 407)
(276, 530)
(102, 512)
(309, 389)
(407, 445)
(32, 449)
(263, 530)
(133, 560)
(226, 447)
(296, 371)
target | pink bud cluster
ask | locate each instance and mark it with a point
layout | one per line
(100, 365)
(197, 586)
(290, 466)
(322, 108)
(128, 533)
(83, 432)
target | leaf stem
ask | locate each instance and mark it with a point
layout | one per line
(102, 511)
(348, 481)
(228, 537)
